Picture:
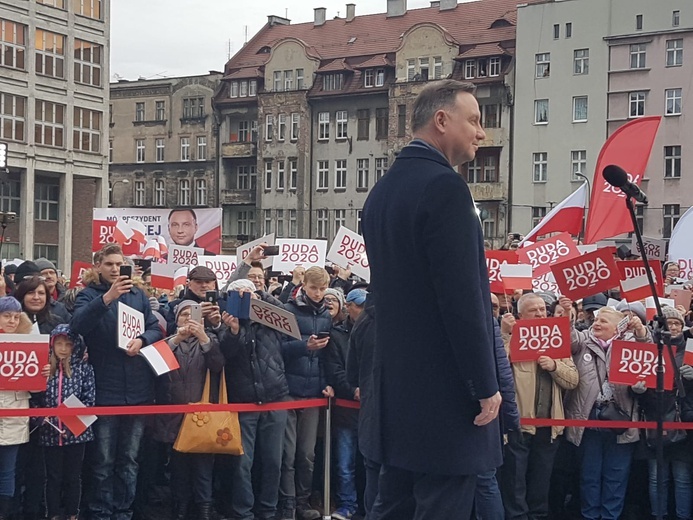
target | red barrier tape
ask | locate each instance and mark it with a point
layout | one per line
(605, 424)
(345, 403)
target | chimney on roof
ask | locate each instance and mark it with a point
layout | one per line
(435, 3)
(447, 4)
(277, 20)
(396, 7)
(320, 15)
(351, 12)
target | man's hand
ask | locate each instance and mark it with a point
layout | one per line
(46, 370)
(639, 388)
(121, 286)
(297, 275)
(256, 254)
(210, 312)
(344, 274)
(328, 391)
(686, 372)
(231, 323)
(636, 326)
(546, 363)
(357, 394)
(134, 347)
(566, 303)
(507, 323)
(489, 409)
(198, 330)
(315, 343)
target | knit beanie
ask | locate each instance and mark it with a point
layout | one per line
(337, 293)
(25, 269)
(10, 304)
(636, 308)
(183, 305)
(672, 314)
(242, 283)
(44, 263)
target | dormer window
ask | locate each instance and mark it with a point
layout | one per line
(243, 88)
(469, 69)
(333, 82)
(373, 78)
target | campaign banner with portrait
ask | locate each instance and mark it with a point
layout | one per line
(183, 227)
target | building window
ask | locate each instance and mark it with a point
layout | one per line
(159, 193)
(638, 56)
(437, 67)
(160, 111)
(484, 167)
(243, 178)
(50, 54)
(193, 107)
(556, 31)
(88, 8)
(184, 149)
(10, 196)
(638, 22)
(139, 193)
(340, 174)
(543, 65)
(243, 92)
(569, 30)
(12, 117)
(359, 214)
(673, 102)
(401, 120)
(675, 53)
(299, 79)
(268, 175)
(202, 148)
(364, 122)
(579, 109)
(380, 167)
(379, 77)
(293, 224)
(268, 221)
(322, 223)
(341, 121)
(339, 220)
(578, 164)
(489, 228)
(639, 219)
(243, 131)
(494, 67)
(48, 251)
(672, 162)
(381, 121)
(280, 175)
(86, 135)
(278, 81)
(482, 68)
(362, 167)
(88, 59)
(474, 171)
(411, 69)
(280, 223)
(269, 127)
(242, 223)
(369, 78)
(490, 168)
(637, 104)
(332, 82)
(675, 18)
(469, 69)
(323, 126)
(288, 80)
(252, 88)
(538, 213)
(184, 192)
(233, 89)
(423, 69)
(110, 151)
(540, 162)
(200, 192)
(46, 204)
(541, 111)
(490, 116)
(12, 44)
(281, 127)
(671, 218)
(295, 123)
(139, 150)
(49, 127)
(581, 61)
(293, 174)
(139, 111)
(160, 147)
(323, 175)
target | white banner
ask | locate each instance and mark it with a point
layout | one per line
(349, 250)
(275, 318)
(655, 248)
(681, 245)
(222, 265)
(130, 324)
(242, 251)
(184, 255)
(295, 252)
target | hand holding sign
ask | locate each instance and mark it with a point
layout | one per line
(275, 318)
(632, 362)
(22, 357)
(588, 274)
(130, 327)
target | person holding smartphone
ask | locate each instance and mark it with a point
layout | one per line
(201, 283)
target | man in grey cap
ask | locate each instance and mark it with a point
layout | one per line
(50, 273)
(200, 280)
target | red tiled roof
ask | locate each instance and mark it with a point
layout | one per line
(250, 73)
(381, 60)
(469, 24)
(485, 49)
(336, 66)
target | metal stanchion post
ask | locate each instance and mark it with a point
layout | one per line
(327, 513)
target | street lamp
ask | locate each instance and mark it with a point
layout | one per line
(112, 186)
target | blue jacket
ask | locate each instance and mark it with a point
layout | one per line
(302, 366)
(510, 415)
(120, 379)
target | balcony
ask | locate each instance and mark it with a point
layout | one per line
(233, 197)
(495, 137)
(238, 150)
(482, 191)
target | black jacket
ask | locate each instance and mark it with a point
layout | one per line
(255, 367)
(510, 415)
(335, 360)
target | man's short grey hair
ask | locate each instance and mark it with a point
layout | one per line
(436, 96)
(525, 298)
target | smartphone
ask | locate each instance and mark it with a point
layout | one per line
(271, 250)
(196, 312)
(126, 270)
(323, 335)
(238, 307)
(211, 297)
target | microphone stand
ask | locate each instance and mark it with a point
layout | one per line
(663, 337)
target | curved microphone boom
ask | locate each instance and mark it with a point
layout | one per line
(617, 177)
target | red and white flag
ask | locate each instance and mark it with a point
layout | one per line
(516, 276)
(123, 233)
(163, 276)
(139, 230)
(636, 288)
(163, 247)
(651, 310)
(151, 249)
(688, 355)
(181, 275)
(77, 424)
(567, 216)
(160, 357)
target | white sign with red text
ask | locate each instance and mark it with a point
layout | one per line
(130, 325)
(184, 255)
(349, 250)
(655, 248)
(275, 318)
(243, 251)
(298, 252)
(222, 265)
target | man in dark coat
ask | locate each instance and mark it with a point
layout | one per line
(436, 397)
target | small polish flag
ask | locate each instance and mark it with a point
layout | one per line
(77, 424)
(688, 355)
(139, 230)
(636, 288)
(160, 357)
(123, 233)
(181, 275)
(651, 310)
(163, 276)
(516, 276)
(162, 245)
(566, 216)
(151, 249)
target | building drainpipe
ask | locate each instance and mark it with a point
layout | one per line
(310, 172)
(511, 150)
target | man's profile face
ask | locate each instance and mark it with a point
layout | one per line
(182, 227)
(464, 130)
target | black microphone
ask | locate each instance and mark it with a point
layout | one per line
(617, 177)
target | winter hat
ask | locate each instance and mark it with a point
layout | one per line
(26, 269)
(242, 283)
(10, 304)
(594, 302)
(672, 314)
(357, 296)
(44, 263)
(183, 305)
(337, 293)
(64, 330)
(636, 308)
(10, 269)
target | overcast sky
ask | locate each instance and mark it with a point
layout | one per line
(153, 38)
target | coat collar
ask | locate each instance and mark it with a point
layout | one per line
(422, 152)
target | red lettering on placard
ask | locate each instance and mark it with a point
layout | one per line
(299, 253)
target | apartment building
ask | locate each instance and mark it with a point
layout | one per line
(53, 100)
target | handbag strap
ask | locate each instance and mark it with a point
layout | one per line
(205, 392)
(223, 396)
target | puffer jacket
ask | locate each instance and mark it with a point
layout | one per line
(186, 385)
(303, 367)
(509, 415)
(15, 430)
(120, 379)
(59, 387)
(255, 366)
(590, 357)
